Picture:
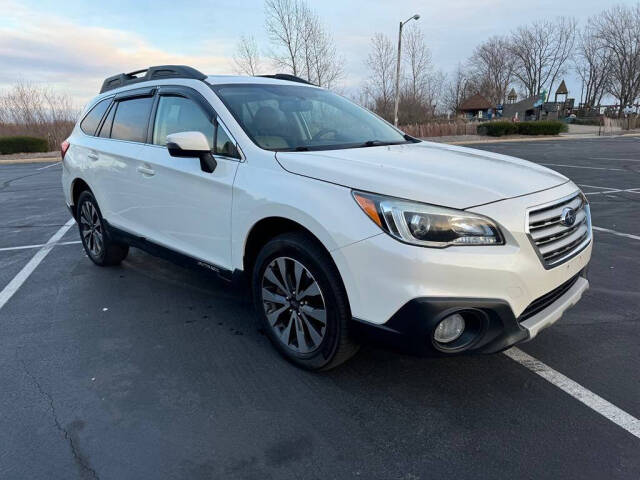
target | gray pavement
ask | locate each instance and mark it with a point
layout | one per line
(149, 370)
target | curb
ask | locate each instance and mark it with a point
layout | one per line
(14, 161)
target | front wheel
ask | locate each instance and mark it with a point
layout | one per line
(301, 302)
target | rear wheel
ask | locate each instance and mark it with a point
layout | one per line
(301, 302)
(98, 245)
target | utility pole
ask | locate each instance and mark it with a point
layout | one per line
(395, 116)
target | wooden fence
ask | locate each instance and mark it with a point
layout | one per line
(440, 129)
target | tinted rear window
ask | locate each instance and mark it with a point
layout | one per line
(131, 119)
(92, 120)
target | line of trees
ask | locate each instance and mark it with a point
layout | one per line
(604, 53)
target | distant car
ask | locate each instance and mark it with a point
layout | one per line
(347, 228)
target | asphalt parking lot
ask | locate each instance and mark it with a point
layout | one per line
(149, 370)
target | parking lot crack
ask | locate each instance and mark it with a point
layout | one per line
(79, 458)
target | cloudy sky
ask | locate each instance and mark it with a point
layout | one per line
(73, 45)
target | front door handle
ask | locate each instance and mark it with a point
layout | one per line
(149, 172)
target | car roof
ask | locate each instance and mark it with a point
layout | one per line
(211, 80)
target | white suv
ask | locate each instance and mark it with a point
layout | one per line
(346, 227)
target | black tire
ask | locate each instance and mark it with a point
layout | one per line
(298, 250)
(96, 240)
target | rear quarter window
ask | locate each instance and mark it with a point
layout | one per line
(92, 119)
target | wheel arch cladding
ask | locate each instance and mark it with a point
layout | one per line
(266, 229)
(77, 187)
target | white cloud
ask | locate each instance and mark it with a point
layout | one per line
(76, 58)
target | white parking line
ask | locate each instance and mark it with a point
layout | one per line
(25, 247)
(596, 186)
(613, 232)
(577, 391)
(49, 166)
(13, 286)
(619, 159)
(606, 190)
(588, 168)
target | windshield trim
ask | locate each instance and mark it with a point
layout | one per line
(306, 148)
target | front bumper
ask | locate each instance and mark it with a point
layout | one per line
(404, 290)
(411, 328)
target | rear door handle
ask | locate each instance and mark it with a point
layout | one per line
(146, 171)
(92, 156)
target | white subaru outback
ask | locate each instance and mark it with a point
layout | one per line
(347, 228)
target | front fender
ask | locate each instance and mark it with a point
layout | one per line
(328, 211)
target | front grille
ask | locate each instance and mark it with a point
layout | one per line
(547, 299)
(555, 241)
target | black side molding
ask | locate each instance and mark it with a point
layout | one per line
(178, 258)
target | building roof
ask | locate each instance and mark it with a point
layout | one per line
(521, 107)
(476, 102)
(562, 89)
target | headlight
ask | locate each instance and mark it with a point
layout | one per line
(428, 225)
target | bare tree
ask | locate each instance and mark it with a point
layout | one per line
(301, 44)
(421, 86)
(285, 23)
(619, 31)
(458, 87)
(493, 62)
(246, 58)
(541, 51)
(29, 109)
(418, 62)
(322, 65)
(380, 87)
(593, 64)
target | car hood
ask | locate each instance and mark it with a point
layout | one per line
(427, 172)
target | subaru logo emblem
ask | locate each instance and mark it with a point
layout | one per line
(568, 216)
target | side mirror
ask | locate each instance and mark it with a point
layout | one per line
(192, 145)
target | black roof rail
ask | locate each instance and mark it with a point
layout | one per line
(158, 72)
(286, 76)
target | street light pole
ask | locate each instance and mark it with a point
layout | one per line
(395, 116)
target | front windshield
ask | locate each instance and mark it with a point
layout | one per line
(292, 117)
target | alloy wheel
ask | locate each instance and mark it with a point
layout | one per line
(294, 305)
(91, 229)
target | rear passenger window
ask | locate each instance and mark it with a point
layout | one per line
(179, 114)
(131, 119)
(92, 120)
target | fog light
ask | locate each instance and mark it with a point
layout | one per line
(449, 329)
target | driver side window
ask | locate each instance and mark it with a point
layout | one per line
(179, 114)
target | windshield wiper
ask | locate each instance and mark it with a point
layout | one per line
(377, 143)
(373, 143)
